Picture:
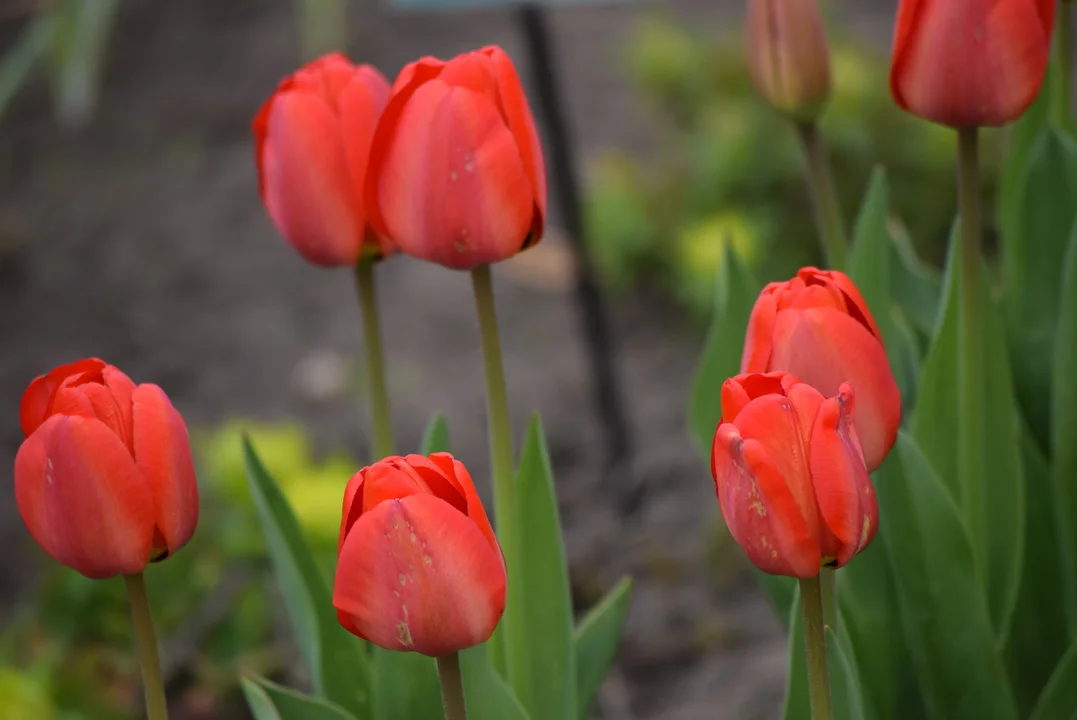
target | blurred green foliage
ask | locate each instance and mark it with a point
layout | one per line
(728, 168)
(67, 656)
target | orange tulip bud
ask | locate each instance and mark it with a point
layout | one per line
(419, 566)
(789, 475)
(818, 327)
(966, 63)
(456, 174)
(787, 55)
(104, 480)
(312, 139)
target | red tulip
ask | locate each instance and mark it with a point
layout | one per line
(312, 140)
(104, 480)
(419, 566)
(818, 327)
(456, 174)
(789, 475)
(788, 56)
(965, 63)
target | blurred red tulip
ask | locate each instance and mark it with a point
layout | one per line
(790, 476)
(818, 327)
(104, 479)
(456, 174)
(966, 63)
(312, 140)
(788, 56)
(419, 566)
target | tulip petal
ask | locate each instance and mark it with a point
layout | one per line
(163, 456)
(352, 509)
(453, 189)
(361, 103)
(773, 422)
(522, 126)
(842, 487)
(966, 63)
(855, 304)
(389, 479)
(307, 188)
(34, 408)
(438, 478)
(759, 338)
(416, 574)
(825, 348)
(474, 509)
(759, 509)
(82, 498)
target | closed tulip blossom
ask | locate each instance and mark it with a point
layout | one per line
(456, 174)
(312, 141)
(104, 480)
(419, 566)
(788, 56)
(790, 476)
(966, 63)
(818, 327)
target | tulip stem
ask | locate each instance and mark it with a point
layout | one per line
(375, 364)
(146, 639)
(970, 352)
(828, 588)
(824, 198)
(500, 431)
(811, 602)
(452, 687)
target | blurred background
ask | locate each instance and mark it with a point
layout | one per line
(131, 229)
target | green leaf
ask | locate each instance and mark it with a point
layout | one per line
(20, 59)
(845, 698)
(436, 436)
(1064, 432)
(735, 292)
(870, 270)
(78, 53)
(1059, 698)
(1022, 137)
(992, 501)
(269, 701)
(336, 661)
(870, 616)
(596, 640)
(543, 671)
(943, 611)
(488, 696)
(1034, 255)
(915, 285)
(1035, 643)
(406, 685)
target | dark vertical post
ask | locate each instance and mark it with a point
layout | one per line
(563, 174)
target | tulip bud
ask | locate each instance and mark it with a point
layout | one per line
(456, 174)
(312, 141)
(419, 566)
(104, 480)
(966, 64)
(789, 475)
(818, 327)
(788, 57)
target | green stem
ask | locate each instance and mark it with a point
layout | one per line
(815, 647)
(452, 687)
(146, 639)
(500, 431)
(970, 355)
(828, 588)
(1061, 108)
(824, 199)
(375, 362)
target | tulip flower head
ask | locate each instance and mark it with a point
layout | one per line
(104, 480)
(419, 566)
(966, 63)
(312, 140)
(789, 474)
(456, 174)
(818, 327)
(788, 57)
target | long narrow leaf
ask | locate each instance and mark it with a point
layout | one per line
(596, 640)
